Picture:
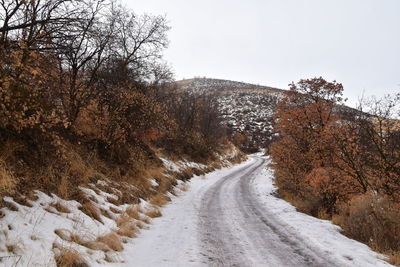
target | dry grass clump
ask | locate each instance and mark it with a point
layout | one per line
(394, 258)
(373, 220)
(83, 169)
(133, 212)
(60, 207)
(187, 173)
(142, 177)
(94, 245)
(67, 235)
(115, 201)
(22, 200)
(149, 172)
(114, 210)
(11, 206)
(112, 240)
(106, 213)
(64, 186)
(105, 188)
(68, 257)
(140, 225)
(126, 226)
(91, 210)
(8, 182)
(159, 200)
(153, 213)
(95, 189)
(145, 220)
(183, 187)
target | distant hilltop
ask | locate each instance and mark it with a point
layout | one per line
(205, 84)
(246, 109)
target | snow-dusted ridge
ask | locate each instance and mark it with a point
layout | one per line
(245, 108)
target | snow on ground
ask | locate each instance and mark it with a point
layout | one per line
(172, 239)
(319, 233)
(29, 233)
(32, 236)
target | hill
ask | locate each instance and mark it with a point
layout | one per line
(246, 109)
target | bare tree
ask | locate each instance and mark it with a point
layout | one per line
(82, 51)
(138, 45)
(34, 22)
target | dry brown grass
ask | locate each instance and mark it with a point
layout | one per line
(115, 201)
(183, 187)
(309, 205)
(187, 173)
(94, 245)
(143, 174)
(123, 219)
(105, 188)
(140, 225)
(394, 258)
(159, 200)
(70, 258)
(67, 235)
(60, 207)
(126, 226)
(11, 206)
(114, 210)
(95, 189)
(83, 169)
(106, 213)
(63, 189)
(8, 181)
(22, 200)
(112, 240)
(153, 213)
(91, 210)
(133, 212)
(373, 220)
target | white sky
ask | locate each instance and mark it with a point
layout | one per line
(274, 42)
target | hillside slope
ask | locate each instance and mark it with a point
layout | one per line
(246, 109)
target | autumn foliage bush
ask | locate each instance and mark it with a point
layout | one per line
(85, 94)
(343, 163)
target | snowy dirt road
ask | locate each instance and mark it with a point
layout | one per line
(232, 217)
(236, 230)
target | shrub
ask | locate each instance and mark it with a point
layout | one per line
(374, 220)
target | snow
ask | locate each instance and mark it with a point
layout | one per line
(32, 230)
(172, 240)
(322, 234)
(183, 164)
(28, 236)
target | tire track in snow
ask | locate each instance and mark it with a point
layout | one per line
(236, 230)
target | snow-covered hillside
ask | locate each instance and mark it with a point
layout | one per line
(207, 84)
(246, 109)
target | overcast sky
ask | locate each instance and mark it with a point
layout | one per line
(274, 42)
